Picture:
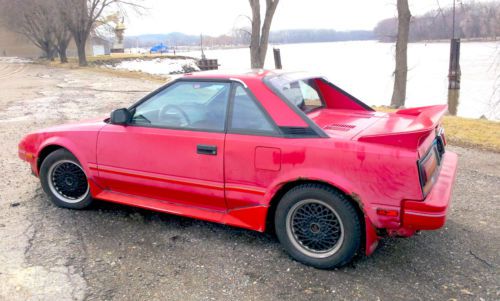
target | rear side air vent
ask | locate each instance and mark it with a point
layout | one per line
(340, 127)
(298, 131)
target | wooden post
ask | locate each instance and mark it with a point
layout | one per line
(277, 58)
(454, 72)
(454, 75)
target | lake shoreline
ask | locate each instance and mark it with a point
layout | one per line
(223, 47)
(364, 69)
(464, 132)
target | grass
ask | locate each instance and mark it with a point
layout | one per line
(117, 57)
(467, 132)
(476, 133)
(73, 64)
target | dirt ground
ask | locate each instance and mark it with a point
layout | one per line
(113, 252)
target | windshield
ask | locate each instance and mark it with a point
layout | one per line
(301, 92)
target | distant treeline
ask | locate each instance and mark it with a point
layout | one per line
(473, 20)
(169, 39)
(318, 35)
(241, 37)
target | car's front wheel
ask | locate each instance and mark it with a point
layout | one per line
(318, 226)
(64, 180)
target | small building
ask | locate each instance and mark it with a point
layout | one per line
(100, 46)
(16, 44)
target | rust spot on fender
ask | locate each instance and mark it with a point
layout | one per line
(355, 197)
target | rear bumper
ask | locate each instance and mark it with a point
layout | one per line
(430, 214)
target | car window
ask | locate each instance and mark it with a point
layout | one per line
(189, 105)
(303, 93)
(310, 95)
(247, 116)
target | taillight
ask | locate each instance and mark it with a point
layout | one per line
(427, 167)
(429, 164)
(440, 140)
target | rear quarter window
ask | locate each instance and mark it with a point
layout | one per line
(247, 116)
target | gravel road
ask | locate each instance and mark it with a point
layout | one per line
(113, 252)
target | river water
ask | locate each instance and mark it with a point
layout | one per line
(365, 70)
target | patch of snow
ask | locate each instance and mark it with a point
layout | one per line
(15, 60)
(159, 66)
(137, 50)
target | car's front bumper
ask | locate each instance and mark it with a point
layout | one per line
(430, 214)
(28, 157)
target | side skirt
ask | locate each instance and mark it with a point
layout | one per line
(252, 218)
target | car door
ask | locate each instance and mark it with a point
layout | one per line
(173, 147)
(252, 151)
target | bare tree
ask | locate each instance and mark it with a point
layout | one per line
(401, 71)
(40, 22)
(260, 36)
(62, 35)
(474, 20)
(33, 19)
(80, 17)
(62, 38)
(241, 36)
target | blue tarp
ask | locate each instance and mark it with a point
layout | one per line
(160, 48)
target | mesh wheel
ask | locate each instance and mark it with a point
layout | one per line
(318, 226)
(64, 180)
(314, 228)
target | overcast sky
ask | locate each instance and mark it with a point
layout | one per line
(215, 17)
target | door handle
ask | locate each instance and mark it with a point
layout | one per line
(206, 149)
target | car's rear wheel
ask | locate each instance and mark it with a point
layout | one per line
(318, 226)
(64, 180)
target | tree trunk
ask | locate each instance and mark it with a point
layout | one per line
(62, 47)
(266, 28)
(401, 71)
(48, 51)
(255, 61)
(260, 37)
(82, 57)
(80, 46)
(63, 57)
(255, 38)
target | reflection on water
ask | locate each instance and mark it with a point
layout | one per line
(453, 98)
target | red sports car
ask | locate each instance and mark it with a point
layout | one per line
(259, 150)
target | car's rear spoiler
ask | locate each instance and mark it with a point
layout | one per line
(406, 127)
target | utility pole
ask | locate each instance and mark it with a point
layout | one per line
(203, 57)
(454, 72)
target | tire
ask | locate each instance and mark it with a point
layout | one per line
(318, 226)
(64, 180)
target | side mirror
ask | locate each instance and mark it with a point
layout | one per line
(120, 116)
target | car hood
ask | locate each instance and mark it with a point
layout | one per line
(403, 128)
(86, 125)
